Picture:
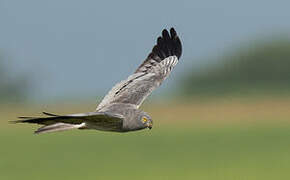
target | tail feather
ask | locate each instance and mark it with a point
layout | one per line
(58, 127)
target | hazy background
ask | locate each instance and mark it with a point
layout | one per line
(81, 48)
(222, 114)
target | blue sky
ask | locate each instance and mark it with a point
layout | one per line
(81, 48)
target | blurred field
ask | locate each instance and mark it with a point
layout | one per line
(229, 138)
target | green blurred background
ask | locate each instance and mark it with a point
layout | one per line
(222, 114)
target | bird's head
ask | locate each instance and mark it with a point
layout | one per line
(146, 120)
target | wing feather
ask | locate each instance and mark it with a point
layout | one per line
(149, 75)
(74, 118)
(96, 120)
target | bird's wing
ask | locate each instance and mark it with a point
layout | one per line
(149, 75)
(72, 118)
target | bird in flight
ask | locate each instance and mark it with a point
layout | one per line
(119, 110)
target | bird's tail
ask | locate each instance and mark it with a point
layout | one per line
(53, 122)
(58, 127)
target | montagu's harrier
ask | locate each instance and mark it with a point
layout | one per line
(119, 111)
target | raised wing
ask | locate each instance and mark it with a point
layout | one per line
(149, 75)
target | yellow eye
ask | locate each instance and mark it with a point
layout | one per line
(144, 119)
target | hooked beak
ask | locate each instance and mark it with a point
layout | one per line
(149, 125)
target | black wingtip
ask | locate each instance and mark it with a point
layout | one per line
(22, 119)
(173, 32)
(25, 117)
(49, 114)
(167, 45)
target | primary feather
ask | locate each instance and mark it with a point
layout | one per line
(149, 75)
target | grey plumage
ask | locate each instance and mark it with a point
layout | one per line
(118, 111)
